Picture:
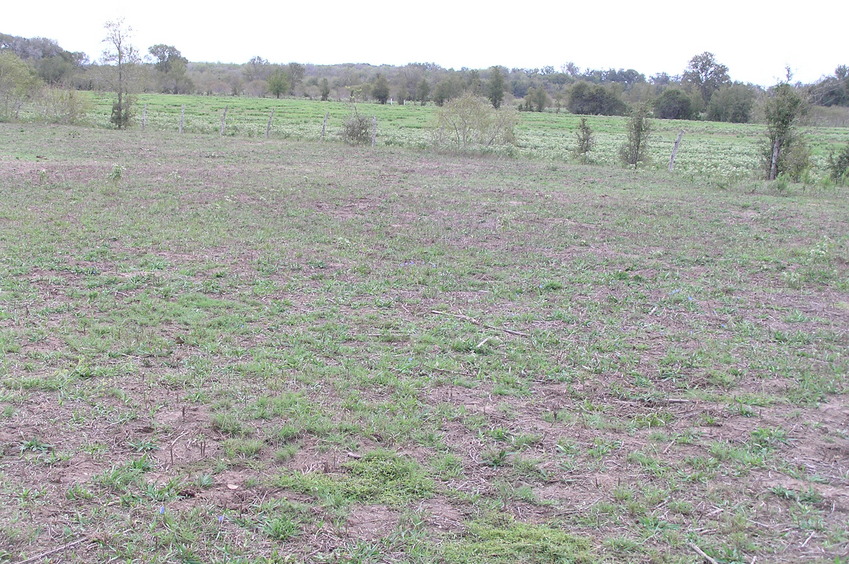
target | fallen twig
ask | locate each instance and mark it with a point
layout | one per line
(478, 323)
(701, 553)
(55, 550)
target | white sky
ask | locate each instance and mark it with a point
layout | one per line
(755, 39)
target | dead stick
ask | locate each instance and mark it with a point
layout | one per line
(55, 550)
(478, 323)
(702, 554)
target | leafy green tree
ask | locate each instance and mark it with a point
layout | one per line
(325, 90)
(706, 75)
(636, 148)
(380, 89)
(785, 149)
(594, 99)
(18, 83)
(673, 104)
(52, 63)
(495, 88)
(120, 52)
(171, 69)
(732, 103)
(278, 82)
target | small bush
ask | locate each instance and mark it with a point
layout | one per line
(471, 123)
(797, 160)
(635, 150)
(63, 106)
(358, 130)
(586, 141)
(838, 166)
(122, 114)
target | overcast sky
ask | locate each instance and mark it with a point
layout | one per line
(756, 40)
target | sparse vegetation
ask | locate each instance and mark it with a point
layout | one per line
(274, 348)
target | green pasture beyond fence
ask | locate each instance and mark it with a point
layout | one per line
(709, 150)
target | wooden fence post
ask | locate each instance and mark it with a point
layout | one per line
(182, 117)
(324, 125)
(268, 125)
(373, 130)
(675, 151)
(223, 121)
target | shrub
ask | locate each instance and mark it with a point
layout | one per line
(595, 99)
(586, 141)
(63, 106)
(838, 166)
(635, 149)
(471, 123)
(674, 104)
(783, 110)
(18, 84)
(732, 103)
(358, 130)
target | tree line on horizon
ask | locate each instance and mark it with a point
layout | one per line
(703, 90)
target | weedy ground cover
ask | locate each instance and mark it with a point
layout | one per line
(228, 349)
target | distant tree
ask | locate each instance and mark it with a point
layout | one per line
(832, 90)
(732, 103)
(237, 85)
(673, 104)
(171, 67)
(380, 89)
(296, 75)
(120, 53)
(474, 83)
(785, 150)
(18, 83)
(705, 75)
(570, 69)
(446, 89)
(594, 99)
(536, 99)
(660, 79)
(635, 149)
(423, 91)
(401, 95)
(325, 90)
(495, 88)
(52, 63)
(256, 69)
(278, 82)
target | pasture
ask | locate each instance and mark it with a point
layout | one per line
(240, 349)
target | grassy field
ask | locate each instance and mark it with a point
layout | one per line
(239, 349)
(721, 153)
